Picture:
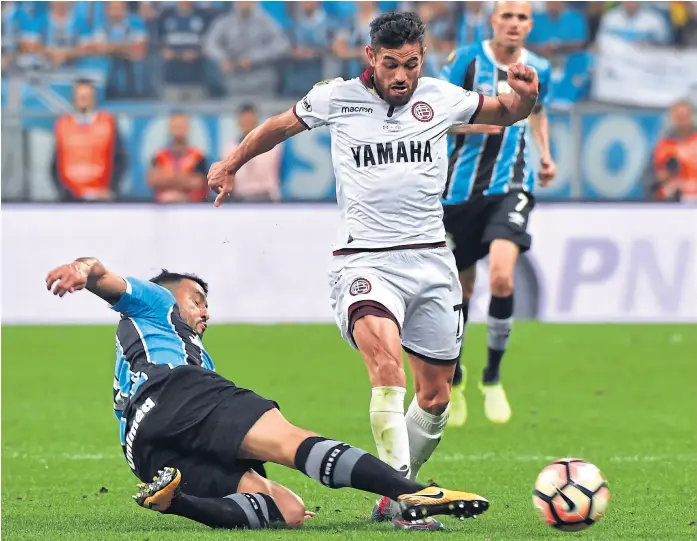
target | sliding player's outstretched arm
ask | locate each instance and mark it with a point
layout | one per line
(310, 112)
(126, 295)
(86, 273)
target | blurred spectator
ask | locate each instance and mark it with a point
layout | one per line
(93, 12)
(675, 157)
(14, 19)
(61, 35)
(181, 31)
(246, 44)
(558, 32)
(350, 41)
(441, 32)
(178, 172)
(89, 158)
(474, 23)
(686, 23)
(310, 31)
(124, 39)
(149, 13)
(310, 40)
(259, 178)
(594, 12)
(636, 23)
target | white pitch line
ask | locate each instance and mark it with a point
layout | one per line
(486, 457)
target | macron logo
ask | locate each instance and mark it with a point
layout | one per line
(356, 110)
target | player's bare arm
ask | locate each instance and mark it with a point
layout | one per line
(486, 129)
(508, 109)
(86, 273)
(539, 124)
(263, 138)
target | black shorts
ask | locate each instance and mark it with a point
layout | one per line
(194, 421)
(474, 224)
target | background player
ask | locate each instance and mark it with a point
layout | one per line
(186, 425)
(394, 282)
(488, 195)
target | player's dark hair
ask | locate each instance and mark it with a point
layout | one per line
(166, 278)
(247, 108)
(391, 30)
(83, 81)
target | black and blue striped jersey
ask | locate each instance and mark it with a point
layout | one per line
(151, 340)
(489, 164)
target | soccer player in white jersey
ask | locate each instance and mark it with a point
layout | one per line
(394, 282)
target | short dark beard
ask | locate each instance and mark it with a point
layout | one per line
(383, 93)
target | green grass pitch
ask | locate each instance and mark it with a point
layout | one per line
(620, 396)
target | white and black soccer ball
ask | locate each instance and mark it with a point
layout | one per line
(571, 494)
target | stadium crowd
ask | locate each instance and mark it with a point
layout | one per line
(190, 50)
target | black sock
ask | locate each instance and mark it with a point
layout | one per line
(457, 378)
(499, 327)
(249, 511)
(337, 465)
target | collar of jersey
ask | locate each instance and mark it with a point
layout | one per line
(367, 80)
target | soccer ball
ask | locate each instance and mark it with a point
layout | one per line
(571, 494)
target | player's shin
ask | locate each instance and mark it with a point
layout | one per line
(248, 511)
(425, 432)
(499, 325)
(337, 465)
(389, 427)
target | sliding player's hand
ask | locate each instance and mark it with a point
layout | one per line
(220, 181)
(523, 80)
(67, 278)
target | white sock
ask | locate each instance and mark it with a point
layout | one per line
(425, 431)
(389, 426)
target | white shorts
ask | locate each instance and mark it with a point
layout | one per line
(419, 288)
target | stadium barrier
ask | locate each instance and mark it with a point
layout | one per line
(267, 264)
(601, 152)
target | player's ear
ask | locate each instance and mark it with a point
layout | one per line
(370, 54)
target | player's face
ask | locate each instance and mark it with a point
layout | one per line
(511, 22)
(179, 128)
(84, 98)
(248, 121)
(397, 71)
(681, 118)
(193, 305)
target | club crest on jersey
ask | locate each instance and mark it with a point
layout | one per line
(384, 153)
(306, 104)
(324, 82)
(422, 111)
(360, 286)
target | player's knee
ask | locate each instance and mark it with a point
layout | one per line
(434, 399)
(501, 282)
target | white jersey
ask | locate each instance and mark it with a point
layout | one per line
(390, 163)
